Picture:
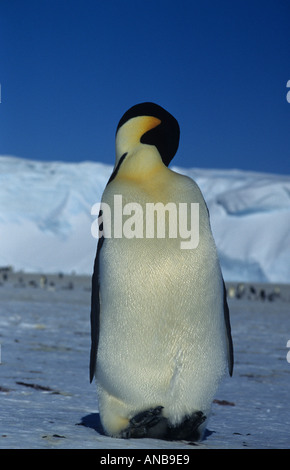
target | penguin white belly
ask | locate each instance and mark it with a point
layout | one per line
(162, 336)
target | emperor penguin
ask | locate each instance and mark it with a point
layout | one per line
(160, 328)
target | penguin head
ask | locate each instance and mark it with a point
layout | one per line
(149, 124)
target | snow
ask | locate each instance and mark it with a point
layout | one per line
(47, 401)
(45, 218)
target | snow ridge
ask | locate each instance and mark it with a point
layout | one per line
(45, 217)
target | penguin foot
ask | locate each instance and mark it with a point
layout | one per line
(149, 423)
(187, 429)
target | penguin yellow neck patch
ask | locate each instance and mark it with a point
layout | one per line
(141, 165)
(129, 135)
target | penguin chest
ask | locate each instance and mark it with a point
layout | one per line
(151, 302)
(160, 306)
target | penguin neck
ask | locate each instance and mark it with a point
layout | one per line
(141, 163)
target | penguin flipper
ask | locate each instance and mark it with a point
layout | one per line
(228, 331)
(95, 312)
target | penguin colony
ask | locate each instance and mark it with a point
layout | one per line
(160, 328)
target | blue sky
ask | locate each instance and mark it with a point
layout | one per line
(69, 69)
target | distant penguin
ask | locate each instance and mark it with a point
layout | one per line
(160, 328)
(231, 292)
(241, 290)
(43, 281)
